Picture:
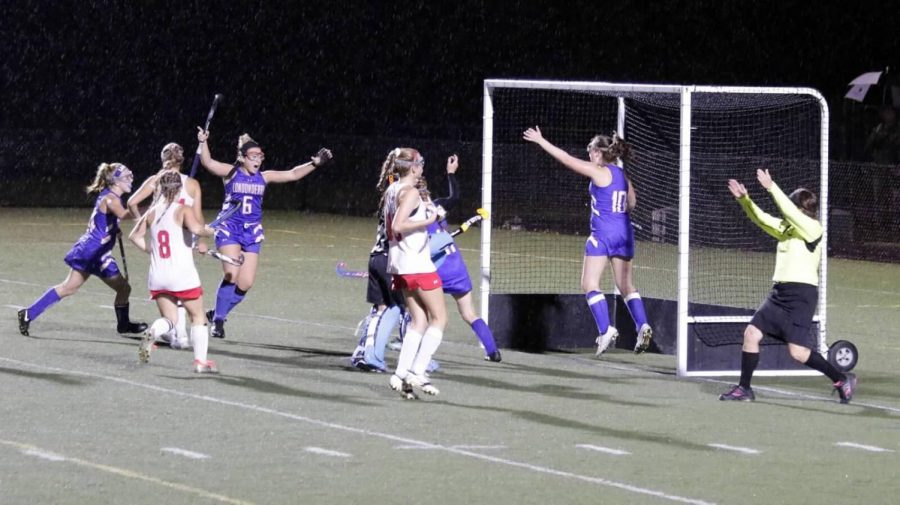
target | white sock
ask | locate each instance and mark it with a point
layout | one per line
(408, 352)
(160, 328)
(200, 341)
(430, 342)
(181, 326)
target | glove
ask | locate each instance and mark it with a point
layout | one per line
(324, 155)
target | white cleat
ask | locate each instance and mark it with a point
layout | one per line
(607, 339)
(146, 347)
(645, 334)
(403, 387)
(208, 366)
(422, 383)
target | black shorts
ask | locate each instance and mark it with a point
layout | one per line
(379, 290)
(787, 314)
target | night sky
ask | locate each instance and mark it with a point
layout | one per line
(413, 68)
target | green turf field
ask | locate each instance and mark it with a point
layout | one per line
(287, 421)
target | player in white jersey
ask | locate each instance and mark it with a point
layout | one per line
(173, 276)
(172, 159)
(409, 260)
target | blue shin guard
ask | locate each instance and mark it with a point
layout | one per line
(386, 324)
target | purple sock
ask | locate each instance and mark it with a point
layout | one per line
(43, 303)
(223, 299)
(484, 335)
(636, 307)
(236, 297)
(597, 303)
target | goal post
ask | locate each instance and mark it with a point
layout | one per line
(700, 265)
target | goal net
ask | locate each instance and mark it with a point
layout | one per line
(695, 248)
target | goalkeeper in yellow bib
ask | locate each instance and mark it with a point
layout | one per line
(787, 313)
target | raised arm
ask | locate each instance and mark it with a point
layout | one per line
(583, 167)
(808, 228)
(300, 171)
(215, 167)
(767, 222)
(449, 201)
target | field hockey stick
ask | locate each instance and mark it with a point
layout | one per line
(212, 111)
(341, 270)
(122, 252)
(225, 258)
(224, 215)
(482, 214)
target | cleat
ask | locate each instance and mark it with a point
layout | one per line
(180, 344)
(131, 327)
(24, 322)
(433, 366)
(403, 387)
(606, 340)
(645, 334)
(146, 347)
(396, 383)
(738, 393)
(494, 356)
(208, 366)
(845, 388)
(361, 364)
(217, 329)
(421, 383)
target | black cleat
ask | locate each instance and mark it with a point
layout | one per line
(24, 322)
(218, 325)
(494, 356)
(738, 393)
(846, 387)
(131, 327)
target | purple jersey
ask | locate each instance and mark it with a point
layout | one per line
(611, 232)
(247, 190)
(451, 267)
(609, 205)
(93, 251)
(244, 227)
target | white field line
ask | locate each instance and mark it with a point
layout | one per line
(743, 450)
(606, 450)
(369, 433)
(459, 447)
(870, 448)
(326, 452)
(186, 453)
(122, 472)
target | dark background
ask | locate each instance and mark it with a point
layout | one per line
(85, 82)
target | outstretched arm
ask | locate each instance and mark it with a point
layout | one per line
(767, 222)
(585, 168)
(449, 201)
(808, 228)
(300, 171)
(215, 167)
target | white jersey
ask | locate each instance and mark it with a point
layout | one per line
(183, 197)
(171, 259)
(409, 253)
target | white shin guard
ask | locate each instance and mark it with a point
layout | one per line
(200, 341)
(430, 343)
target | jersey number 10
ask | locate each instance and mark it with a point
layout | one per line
(618, 201)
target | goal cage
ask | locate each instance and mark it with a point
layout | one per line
(701, 266)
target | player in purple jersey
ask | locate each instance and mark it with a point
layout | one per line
(92, 254)
(612, 236)
(242, 233)
(452, 268)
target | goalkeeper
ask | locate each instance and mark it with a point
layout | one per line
(787, 312)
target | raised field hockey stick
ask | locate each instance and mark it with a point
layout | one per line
(122, 252)
(341, 270)
(212, 111)
(482, 214)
